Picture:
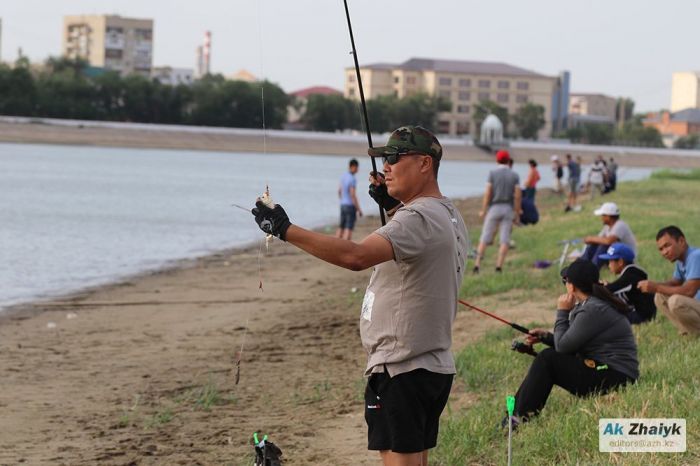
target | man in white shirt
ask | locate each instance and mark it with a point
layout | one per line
(597, 176)
(614, 231)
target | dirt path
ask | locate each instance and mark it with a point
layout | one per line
(142, 372)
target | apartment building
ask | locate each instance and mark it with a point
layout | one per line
(673, 125)
(591, 108)
(464, 84)
(685, 90)
(111, 42)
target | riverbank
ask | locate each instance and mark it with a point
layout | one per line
(144, 371)
(112, 134)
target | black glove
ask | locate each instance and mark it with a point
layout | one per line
(272, 221)
(380, 194)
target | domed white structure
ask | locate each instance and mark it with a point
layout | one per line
(491, 130)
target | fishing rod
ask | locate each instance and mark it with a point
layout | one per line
(362, 98)
(517, 327)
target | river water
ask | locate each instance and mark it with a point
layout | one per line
(75, 216)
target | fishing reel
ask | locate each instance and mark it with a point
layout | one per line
(266, 452)
(522, 347)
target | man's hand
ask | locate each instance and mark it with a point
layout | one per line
(566, 302)
(481, 214)
(646, 286)
(535, 335)
(378, 192)
(272, 221)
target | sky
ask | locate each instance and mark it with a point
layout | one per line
(624, 48)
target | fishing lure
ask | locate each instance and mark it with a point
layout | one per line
(267, 200)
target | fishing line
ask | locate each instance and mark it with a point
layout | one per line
(239, 356)
(262, 77)
(240, 207)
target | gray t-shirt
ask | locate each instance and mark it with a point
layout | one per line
(411, 301)
(622, 231)
(503, 181)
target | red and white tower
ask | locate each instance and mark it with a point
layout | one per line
(204, 56)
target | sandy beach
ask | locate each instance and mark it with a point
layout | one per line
(143, 371)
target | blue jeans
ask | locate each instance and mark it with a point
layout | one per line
(529, 193)
(593, 251)
(348, 215)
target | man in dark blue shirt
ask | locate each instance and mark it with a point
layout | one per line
(574, 179)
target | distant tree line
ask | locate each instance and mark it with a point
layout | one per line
(631, 133)
(63, 89)
(529, 119)
(66, 88)
(691, 141)
(385, 113)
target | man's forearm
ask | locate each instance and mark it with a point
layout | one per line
(602, 240)
(374, 249)
(668, 289)
(333, 250)
(356, 203)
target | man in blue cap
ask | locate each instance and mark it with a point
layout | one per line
(620, 258)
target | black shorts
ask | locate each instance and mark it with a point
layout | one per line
(403, 412)
(347, 217)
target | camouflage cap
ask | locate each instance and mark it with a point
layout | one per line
(409, 139)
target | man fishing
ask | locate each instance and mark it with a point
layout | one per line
(411, 300)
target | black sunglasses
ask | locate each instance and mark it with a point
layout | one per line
(392, 159)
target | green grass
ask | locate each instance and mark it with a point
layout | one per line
(677, 174)
(162, 416)
(318, 392)
(567, 430)
(645, 205)
(206, 396)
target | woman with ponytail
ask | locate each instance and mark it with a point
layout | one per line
(592, 348)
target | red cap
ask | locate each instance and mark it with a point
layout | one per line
(502, 156)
